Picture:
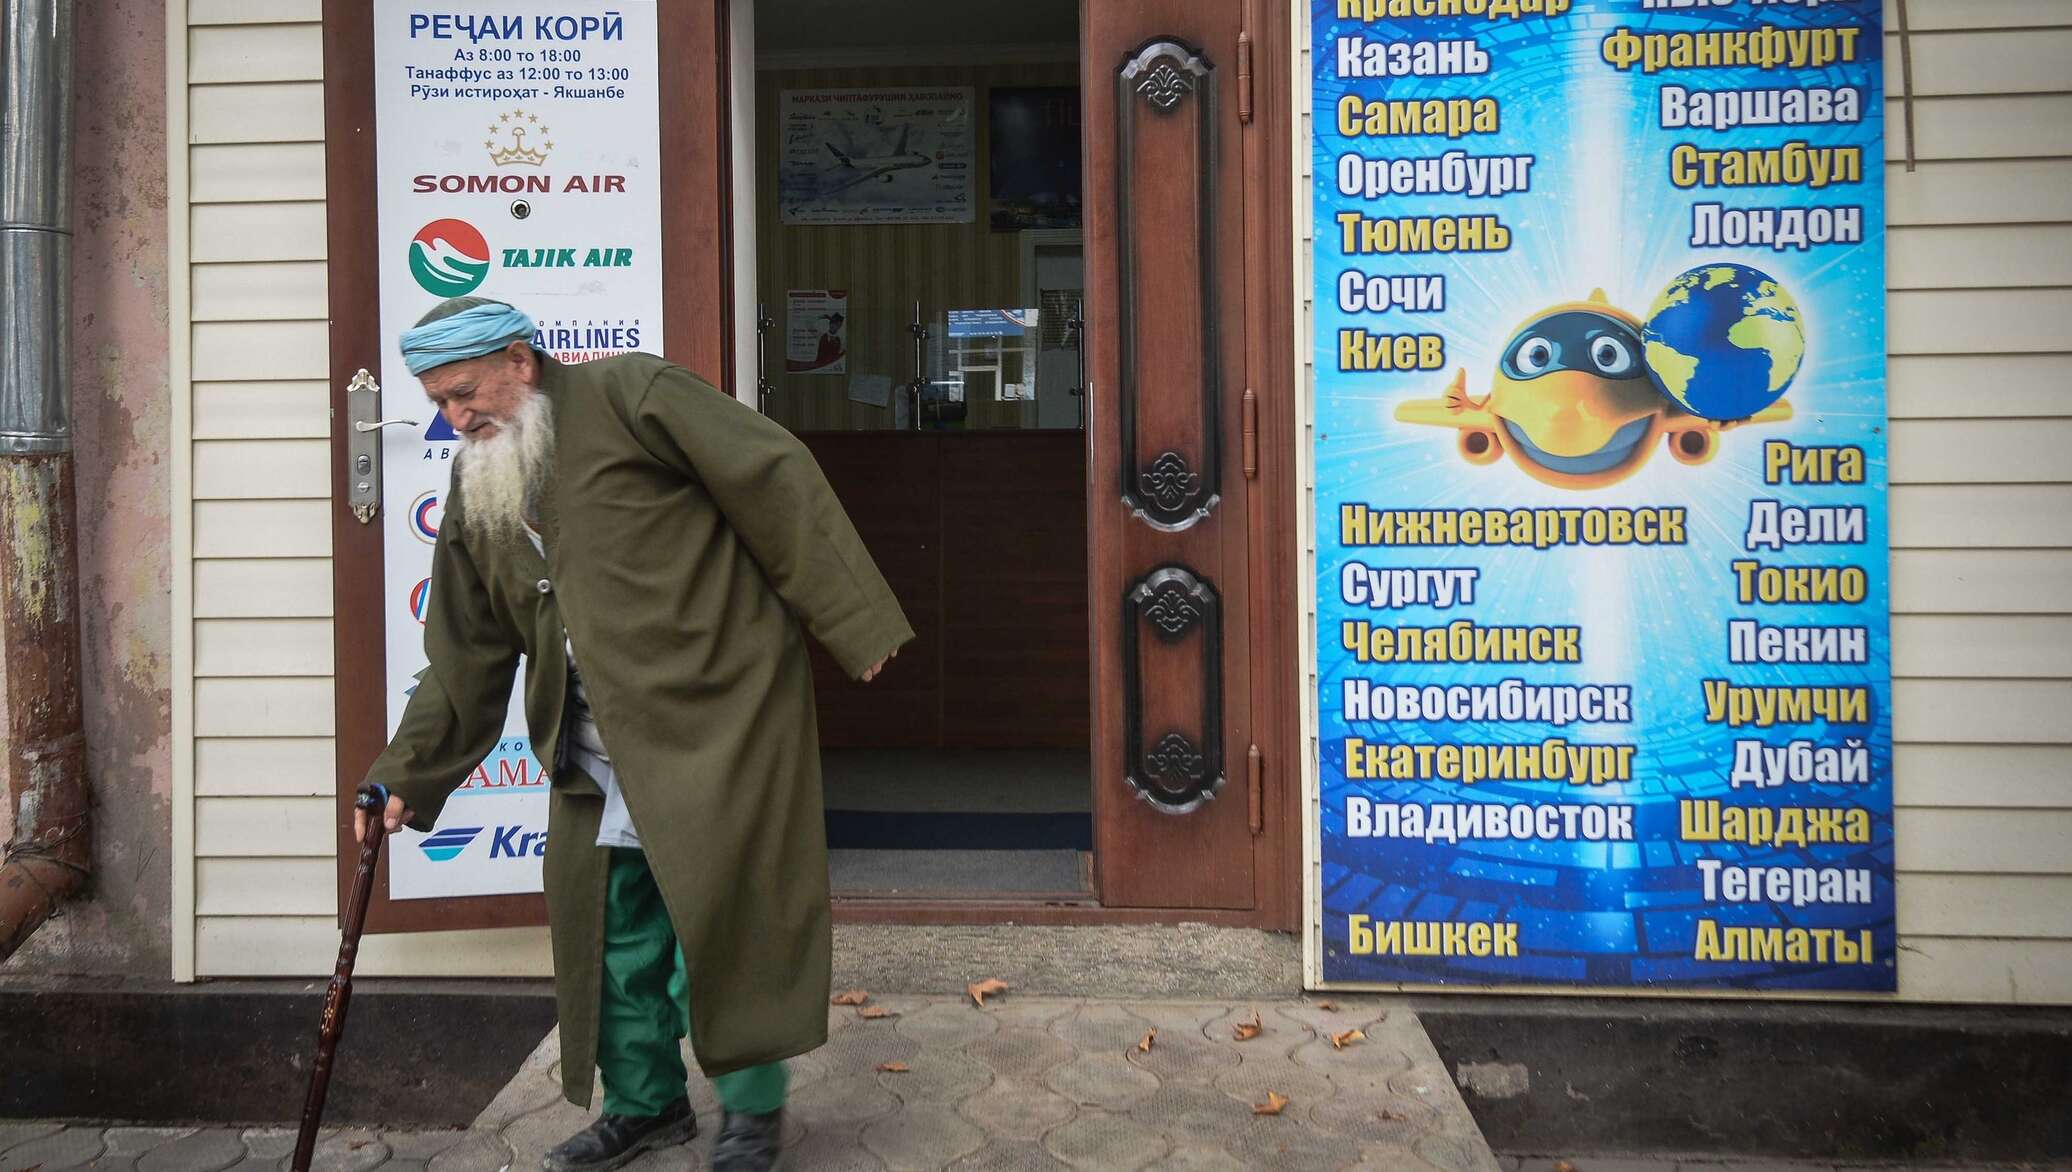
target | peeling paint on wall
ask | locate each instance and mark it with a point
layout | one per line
(122, 425)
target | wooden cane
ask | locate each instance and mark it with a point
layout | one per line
(374, 800)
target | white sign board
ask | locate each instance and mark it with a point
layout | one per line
(518, 157)
(886, 156)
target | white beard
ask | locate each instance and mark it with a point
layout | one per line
(500, 476)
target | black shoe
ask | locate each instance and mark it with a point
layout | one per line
(747, 1143)
(615, 1139)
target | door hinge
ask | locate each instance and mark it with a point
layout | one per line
(1244, 78)
(1251, 434)
(1255, 777)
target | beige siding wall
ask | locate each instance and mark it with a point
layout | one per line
(262, 855)
(1980, 271)
(1980, 264)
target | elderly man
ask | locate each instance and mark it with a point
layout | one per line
(652, 547)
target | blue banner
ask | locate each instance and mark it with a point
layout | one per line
(1603, 667)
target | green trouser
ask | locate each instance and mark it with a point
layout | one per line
(645, 1007)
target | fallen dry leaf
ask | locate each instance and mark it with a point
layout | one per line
(1245, 1031)
(990, 987)
(1275, 1101)
(1392, 1116)
(1341, 1041)
(874, 1012)
(1564, 1166)
(852, 997)
(1144, 1047)
(1328, 1006)
(892, 1068)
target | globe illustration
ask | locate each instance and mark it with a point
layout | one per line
(1724, 340)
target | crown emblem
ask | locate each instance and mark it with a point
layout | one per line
(506, 142)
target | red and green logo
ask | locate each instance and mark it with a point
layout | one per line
(449, 258)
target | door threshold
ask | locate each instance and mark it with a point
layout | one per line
(1062, 910)
(1080, 897)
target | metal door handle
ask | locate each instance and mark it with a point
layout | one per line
(363, 446)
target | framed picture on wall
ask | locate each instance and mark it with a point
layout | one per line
(876, 156)
(1034, 157)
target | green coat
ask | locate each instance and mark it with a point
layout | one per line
(687, 540)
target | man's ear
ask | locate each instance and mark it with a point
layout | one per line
(523, 358)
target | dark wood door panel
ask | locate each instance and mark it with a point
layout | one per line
(1014, 591)
(1170, 593)
(902, 708)
(888, 484)
(1170, 237)
(982, 536)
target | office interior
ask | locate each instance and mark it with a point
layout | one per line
(918, 273)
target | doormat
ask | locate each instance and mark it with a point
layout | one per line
(907, 830)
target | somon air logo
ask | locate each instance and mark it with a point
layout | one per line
(442, 845)
(506, 143)
(425, 515)
(420, 600)
(449, 258)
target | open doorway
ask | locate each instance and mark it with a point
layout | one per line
(917, 270)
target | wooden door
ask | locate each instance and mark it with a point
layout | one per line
(1177, 809)
(697, 313)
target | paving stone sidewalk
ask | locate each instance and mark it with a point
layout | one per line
(1023, 1083)
(1715, 1163)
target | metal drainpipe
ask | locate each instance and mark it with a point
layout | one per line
(42, 735)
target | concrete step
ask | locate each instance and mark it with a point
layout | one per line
(1184, 961)
(1046, 1082)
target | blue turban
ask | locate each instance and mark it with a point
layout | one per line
(461, 328)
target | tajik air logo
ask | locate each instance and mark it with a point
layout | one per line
(449, 258)
(516, 139)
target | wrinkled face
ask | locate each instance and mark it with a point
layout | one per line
(479, 396)
(1574, 399)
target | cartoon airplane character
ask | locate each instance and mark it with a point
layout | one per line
(1572, 402)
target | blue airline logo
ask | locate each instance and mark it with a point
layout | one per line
(505, 842)
(516, 842)
(442, 845)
